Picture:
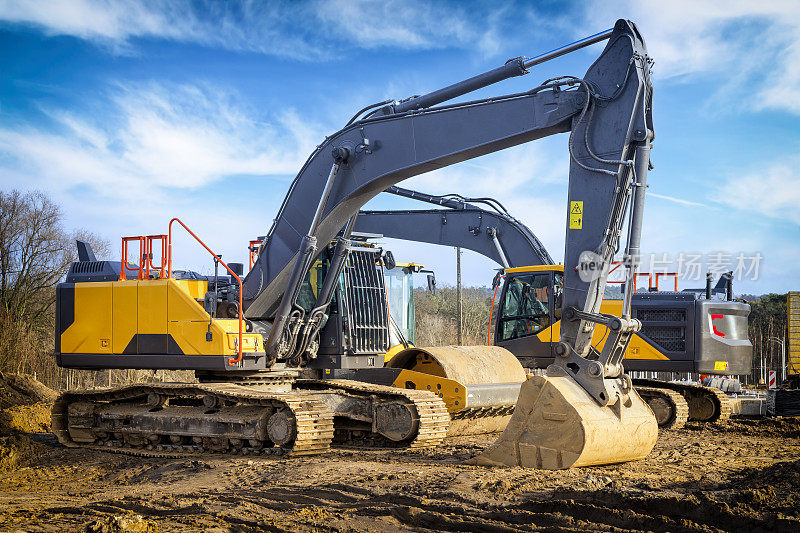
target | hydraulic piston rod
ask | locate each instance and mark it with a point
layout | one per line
(513, 67)
(567, 48)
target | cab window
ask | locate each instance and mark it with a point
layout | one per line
(526, 306)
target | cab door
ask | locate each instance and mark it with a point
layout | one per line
(525, 318)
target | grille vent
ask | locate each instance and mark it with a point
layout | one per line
(365, 297)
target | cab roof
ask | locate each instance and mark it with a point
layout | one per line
(535, 268)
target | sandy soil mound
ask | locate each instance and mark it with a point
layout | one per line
(22, 389)
(25, 404)
(17, 451)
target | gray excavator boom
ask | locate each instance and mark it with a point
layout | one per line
(492, 233)
(392, 145)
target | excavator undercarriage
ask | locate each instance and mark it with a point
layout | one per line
(295, 418)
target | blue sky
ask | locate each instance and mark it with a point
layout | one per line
(129, 115)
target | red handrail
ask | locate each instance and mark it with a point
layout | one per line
(673, 274)
(254, 247)
(142, 256)
(163, 265)
(642, 274)
(231, 361)
(616, 264)
(145, 256)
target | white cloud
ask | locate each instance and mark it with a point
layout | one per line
(773, 191)
(307, 30)
(128, 163)
(676, 200)
(750, 49)
(183, 136)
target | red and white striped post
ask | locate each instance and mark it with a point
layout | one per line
(772, 379)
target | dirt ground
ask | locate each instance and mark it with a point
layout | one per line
(741, 476)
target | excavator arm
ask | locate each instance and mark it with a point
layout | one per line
(608, 116)
(492, 233)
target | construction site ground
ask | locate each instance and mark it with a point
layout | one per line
(741, 476)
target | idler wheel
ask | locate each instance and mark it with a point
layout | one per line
(156, 401)
(662, 409)
(280, 428)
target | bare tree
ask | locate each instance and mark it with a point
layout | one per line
(34, 255)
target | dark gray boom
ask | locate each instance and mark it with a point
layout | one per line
(492, 233)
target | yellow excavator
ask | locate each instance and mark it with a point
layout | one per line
(284, 368)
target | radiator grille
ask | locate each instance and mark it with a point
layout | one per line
(365, 297)
(669, 338)
(661, 315)
(85, 267)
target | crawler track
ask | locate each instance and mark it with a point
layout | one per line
(431, 412)
(706, 404)
(312, 422)
(178, 419)
(673, 402)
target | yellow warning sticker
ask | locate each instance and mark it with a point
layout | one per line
(576, 214)
(720, 366)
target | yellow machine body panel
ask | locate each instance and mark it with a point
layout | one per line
(793, 353)
(109, 315)
(152, 306)
(91, 331)
(637, 349)
(452, 393)
(394, 350)
(124, 304)
(535, 268)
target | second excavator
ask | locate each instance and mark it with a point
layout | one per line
(273, 361)
(695, 330)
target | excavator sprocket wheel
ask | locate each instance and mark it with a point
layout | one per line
(669, 407)
(556, 425)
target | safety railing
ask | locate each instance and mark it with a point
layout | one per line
(616, 264)
(650, 277)
(647, 275)
(254, 248)
(231, 361)
(145, 265)
(665, 274)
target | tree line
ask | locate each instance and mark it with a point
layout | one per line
(768, 320)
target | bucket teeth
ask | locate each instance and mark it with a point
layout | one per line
(556, 424)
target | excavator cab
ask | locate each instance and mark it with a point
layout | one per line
(526, 304)
(400, 291)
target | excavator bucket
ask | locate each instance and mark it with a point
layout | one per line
(478, 384)
(557, 425)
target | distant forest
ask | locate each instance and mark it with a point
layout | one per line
(767, 321)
